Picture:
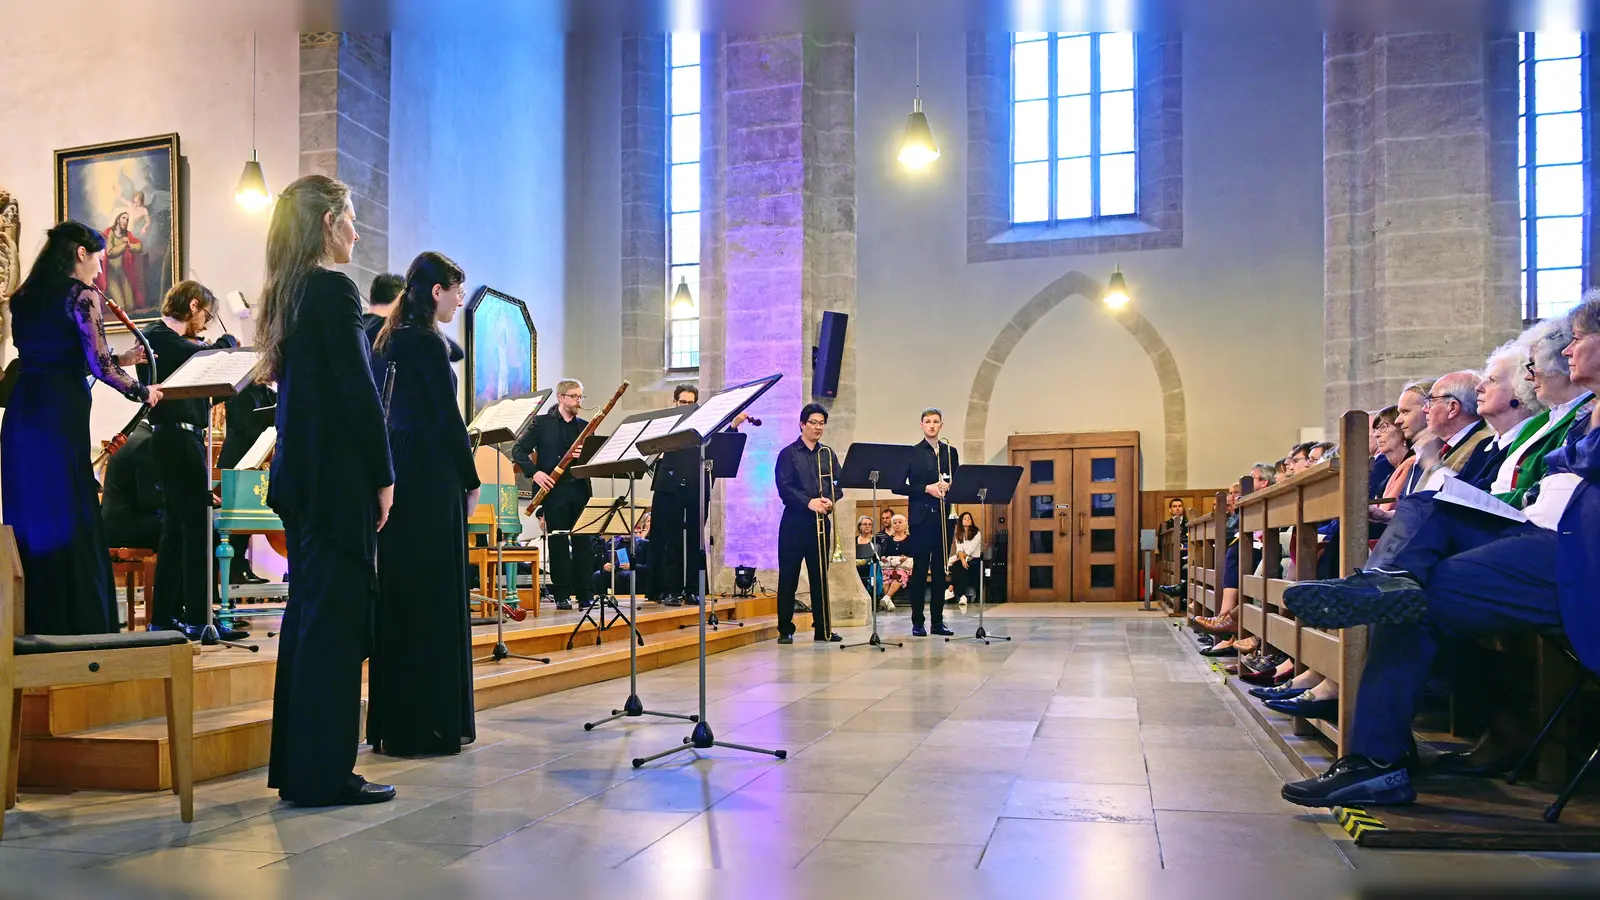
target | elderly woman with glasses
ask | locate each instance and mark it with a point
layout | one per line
(1550, 373)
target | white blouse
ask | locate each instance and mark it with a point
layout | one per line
(973, 548)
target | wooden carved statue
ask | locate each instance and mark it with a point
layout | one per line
(10, 265)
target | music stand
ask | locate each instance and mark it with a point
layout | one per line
(213, 375)
(596, 519)
(621, 457)
(985, 486)
(500, 423)
(723, 453)
(866, 466)
(696, 430)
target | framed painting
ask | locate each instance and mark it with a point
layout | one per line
(502, 349)
(129, 192)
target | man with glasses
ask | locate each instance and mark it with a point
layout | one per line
(182, 598)
(800, 488)
(537, 453)
(1452, 411)
(675, 490)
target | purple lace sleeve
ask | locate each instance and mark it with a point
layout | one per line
(85, 305)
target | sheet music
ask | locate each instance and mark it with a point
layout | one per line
(549, 403)
(656, 428)
(214, 367)
(256, 456)
(620, 440)
(716, 408)
(1456, 491)
(506, 414)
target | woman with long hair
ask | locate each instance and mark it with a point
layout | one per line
(331, 483)
(419, 679)
(966, 558)
(51, 498)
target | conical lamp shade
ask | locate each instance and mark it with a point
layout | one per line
(918, 148)
(252, 191)
(682, 301)
(1116, 295)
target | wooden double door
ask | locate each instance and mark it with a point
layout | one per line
(1074, 522)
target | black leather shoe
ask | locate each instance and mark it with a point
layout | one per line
(918, 631)
(833, 638)
(1305, 708)
(359, 792)
(231, 634)
(1278, 693)
(1219, 653)
(941, 630)
(563, 604)
(1175, 591)
(245, 577)
(785, 639)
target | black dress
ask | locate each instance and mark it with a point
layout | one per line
(332, 458)
(51, 498)
(419, 679)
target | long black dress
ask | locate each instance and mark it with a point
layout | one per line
(332, 458)
(419, 679)
(51, 498)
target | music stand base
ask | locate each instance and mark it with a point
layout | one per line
(209, 637)
(501, 652)
(633, 709)
(702, 739)
(980, 635)
(874, 641)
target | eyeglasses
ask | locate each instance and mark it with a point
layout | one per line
(1528, 367)
(1432, 399)
(682, 402)
(818, 423)
(573, 396)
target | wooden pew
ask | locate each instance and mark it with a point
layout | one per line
(1169, 566)
(1205, 555)
(1326, 492)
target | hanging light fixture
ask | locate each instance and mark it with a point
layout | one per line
(1116, 295)
(918, 148)
(252, 192)
(682, 301)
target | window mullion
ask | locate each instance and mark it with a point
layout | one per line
(1530, 142)
(1053, 98)
(1094, 126)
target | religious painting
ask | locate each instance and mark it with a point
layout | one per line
(502, 350)
(129, 192)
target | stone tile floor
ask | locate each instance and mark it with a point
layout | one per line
(1088, 744)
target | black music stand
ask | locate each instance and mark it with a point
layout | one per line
(696, 429)
(596, 519)
(621, 457)
(723, 454)
(501, 423)
(212, 375)
(986, 486)
(867, 466)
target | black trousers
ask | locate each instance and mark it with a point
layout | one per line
(927, 571)
(181, 588)
(965, 578)
(675, 525)
(316, 704)
(797, 543)
(571, 556)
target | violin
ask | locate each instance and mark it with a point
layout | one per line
(120, 439)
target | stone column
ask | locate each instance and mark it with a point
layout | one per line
(1420, 185)
(344, 132)
(783, 252)
(644, 220)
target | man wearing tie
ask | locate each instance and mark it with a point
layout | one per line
(1452, 415)
(933, 461)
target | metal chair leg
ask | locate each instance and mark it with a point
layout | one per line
(1553, 811)
(1561, 708)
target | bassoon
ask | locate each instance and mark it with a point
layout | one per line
(572, 452)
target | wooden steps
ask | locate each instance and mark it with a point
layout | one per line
(115, 740)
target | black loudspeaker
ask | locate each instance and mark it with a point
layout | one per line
(828, 355)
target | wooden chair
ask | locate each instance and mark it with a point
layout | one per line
(47, 660)
(136, 567)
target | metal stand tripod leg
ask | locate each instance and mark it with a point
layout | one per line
(875, 640)
(501, 651)
(981, 634)
(209, 635)
(633, 707)
(702, 737)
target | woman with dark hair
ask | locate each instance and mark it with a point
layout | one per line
(966, 558)
(419, 679)
(51, 498)
(182, 596)
(332, 485)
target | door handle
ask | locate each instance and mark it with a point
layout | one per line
(1062, 528)
(1082, 524)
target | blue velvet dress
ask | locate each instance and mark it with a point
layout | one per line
(51, 498)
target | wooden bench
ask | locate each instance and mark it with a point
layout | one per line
(42, 661)
(1207, 544)
(1326, 492)
(1169, 565)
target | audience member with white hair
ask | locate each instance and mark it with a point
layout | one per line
(1551, 376)
(1510, 406)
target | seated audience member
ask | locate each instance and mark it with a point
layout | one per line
(1411, 416)
(895, 550)
(1298, 455)
(1444, 574)
(966, 558)
(1324, 450)
(130, 505)
(1510, 406)
(867, 567)
(885, 523)
(1226, 621)
(1452, 411)
(631, 567)
(1380, 470)
(1178, 517)
(1396, 450)
(1549, 372)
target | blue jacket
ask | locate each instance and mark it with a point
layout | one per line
(1578, 543)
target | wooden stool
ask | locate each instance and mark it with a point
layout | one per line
(137, 568)
(49, 660)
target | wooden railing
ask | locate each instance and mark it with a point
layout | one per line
(1207, 543)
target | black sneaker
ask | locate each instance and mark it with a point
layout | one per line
(1174, 591)
(563, 604)
(785, 639)
(918, 631)
(1354, 781)
(942, 631)
(1365, 598)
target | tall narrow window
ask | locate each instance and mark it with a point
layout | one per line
(1074, 142)
(1553, 162)
(683, 198)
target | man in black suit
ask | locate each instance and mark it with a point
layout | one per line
(131, 504)
(933, 462)
(675, 517)
(537, 453)
(381, 298)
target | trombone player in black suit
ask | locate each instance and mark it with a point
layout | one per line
(933, 462)
(805, 472)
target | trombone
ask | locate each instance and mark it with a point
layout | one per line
(826, 488)
(944, 512)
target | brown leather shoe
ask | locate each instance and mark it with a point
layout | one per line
(1228, 623)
